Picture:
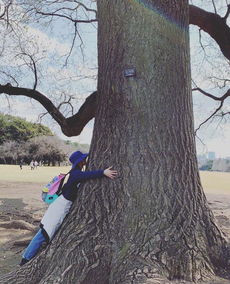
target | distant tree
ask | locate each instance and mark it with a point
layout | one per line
(49, 149)
(75, 145)
(207, 166)
(10, 152)
(19, 130)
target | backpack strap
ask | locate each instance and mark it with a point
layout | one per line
(59, 191)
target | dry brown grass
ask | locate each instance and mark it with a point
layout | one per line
(215, 182)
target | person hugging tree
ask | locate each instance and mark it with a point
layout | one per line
(57, 210)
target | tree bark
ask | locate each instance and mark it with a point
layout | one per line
(153, 221)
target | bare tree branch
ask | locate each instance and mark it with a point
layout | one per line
(224, 113)
(214, 25)
(10, 76)
(84, 115)
(225, 81)
(5, 10)
(86, 8)
(72, 45)
(200, 41)
(53, 14)
(221, 99)
(226, 95)
(227, 13)
(212, 115)
(214, 6)
(71, 126)
(66, 101)
(33, 68)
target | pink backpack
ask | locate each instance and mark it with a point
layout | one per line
(53, 189)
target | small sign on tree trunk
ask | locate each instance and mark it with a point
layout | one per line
(130, 72)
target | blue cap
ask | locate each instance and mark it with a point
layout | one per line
(76, 158)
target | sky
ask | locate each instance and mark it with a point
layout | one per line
(77, 77)
(214, 136)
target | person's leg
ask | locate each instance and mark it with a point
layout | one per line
(34, 246)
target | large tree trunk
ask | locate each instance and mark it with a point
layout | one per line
(153, 219)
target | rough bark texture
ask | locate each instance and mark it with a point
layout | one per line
(153, 220)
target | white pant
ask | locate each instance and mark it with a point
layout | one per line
(55, 215)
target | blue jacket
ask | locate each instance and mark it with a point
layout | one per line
(76, 176)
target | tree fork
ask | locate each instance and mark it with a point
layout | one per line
(70, 126)
(214, 25)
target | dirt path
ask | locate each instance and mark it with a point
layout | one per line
(21, 210)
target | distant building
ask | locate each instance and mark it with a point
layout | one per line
(211, 156)
(209, 162)
(202, 160)
(205, 161)
(221, 165)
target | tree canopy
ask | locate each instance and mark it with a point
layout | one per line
(19, 130)
(26, 141)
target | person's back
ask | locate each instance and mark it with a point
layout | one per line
(77, 176)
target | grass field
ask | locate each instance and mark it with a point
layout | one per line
(213, 182)
(13, 173)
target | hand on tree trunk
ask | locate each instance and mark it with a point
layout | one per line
(110, 173)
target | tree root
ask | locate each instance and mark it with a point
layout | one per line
(22, 243)
(18, 224)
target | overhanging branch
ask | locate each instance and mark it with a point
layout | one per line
(71, 126)
(226, 95)
(227, 13)
(214, 25)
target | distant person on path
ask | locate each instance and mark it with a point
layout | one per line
(57, 210)
(20, 164)
(32, 165)
(35, 164)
